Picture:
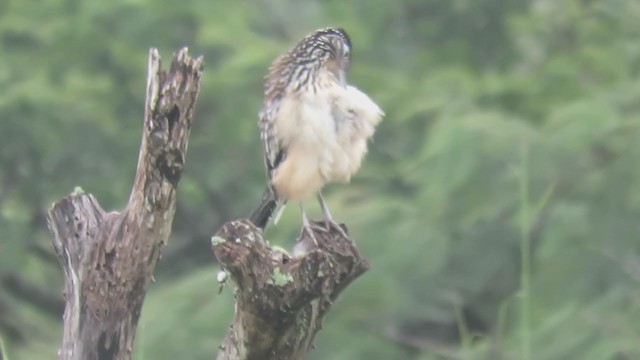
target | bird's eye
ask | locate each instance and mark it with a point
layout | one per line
(318, 53)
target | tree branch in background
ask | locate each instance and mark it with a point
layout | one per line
(282, 299)
(8, 325)
(109, 258)
(41, 297)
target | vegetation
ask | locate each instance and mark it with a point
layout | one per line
(498, 203)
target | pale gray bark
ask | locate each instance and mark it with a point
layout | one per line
(109, 258)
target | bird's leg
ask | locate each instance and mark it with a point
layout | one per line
(328, 219)
(307, 225)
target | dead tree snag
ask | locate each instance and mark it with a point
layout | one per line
(109, 258)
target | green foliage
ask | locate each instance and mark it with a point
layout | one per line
(442, 207)
(3, 351)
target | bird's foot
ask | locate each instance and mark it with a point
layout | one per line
(307, 240)
(309, 229)
(332, 225)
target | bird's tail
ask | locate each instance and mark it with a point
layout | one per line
(270, 207)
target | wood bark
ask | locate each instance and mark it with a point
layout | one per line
(281, 298)
(108, 258)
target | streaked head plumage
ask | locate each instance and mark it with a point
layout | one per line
(323, 45)
(327, 49)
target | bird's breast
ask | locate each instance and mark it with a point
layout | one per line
(325, 135)
(356, 117)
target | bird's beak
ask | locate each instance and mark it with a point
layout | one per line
(342, 77)
(338, 69)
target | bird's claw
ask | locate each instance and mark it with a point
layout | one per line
(310, 230)
(332, 225)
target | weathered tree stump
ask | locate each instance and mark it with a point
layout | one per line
(109, 258)
(282, 299)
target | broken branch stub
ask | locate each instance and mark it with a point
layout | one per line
(282, 299)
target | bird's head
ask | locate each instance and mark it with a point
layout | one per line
(325, 50)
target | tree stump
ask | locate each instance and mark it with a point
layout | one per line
(109, 258)
(282, 299)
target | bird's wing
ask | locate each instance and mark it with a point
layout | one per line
(271, 206)
(274, 151)
(274, 154)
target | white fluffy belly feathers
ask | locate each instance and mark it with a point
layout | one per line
(325, 133)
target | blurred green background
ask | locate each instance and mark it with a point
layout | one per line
(499, 203)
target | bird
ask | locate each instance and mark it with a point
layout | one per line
(314, 126)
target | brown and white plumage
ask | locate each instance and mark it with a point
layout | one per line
(314, 126)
